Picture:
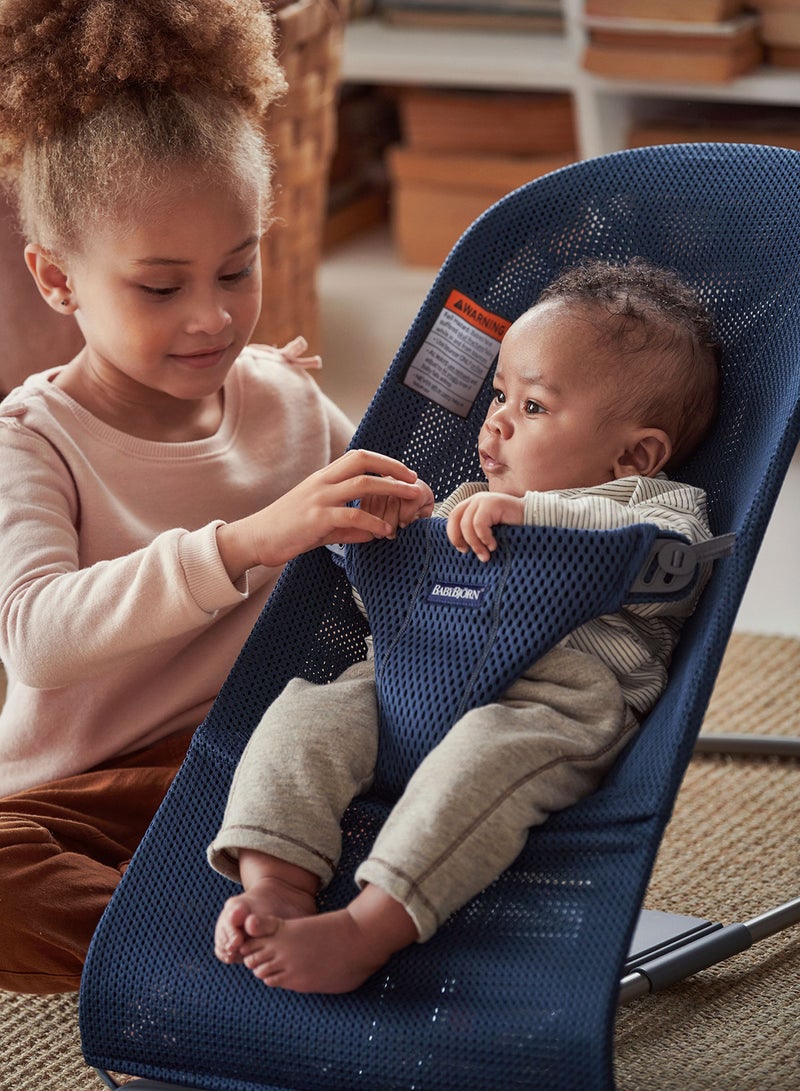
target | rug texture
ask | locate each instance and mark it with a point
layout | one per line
(731, 852)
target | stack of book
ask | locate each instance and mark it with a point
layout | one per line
(780, 31)
(685, 41)
(463, 150)
(539, 16)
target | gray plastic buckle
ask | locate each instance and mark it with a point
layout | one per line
(671, 564)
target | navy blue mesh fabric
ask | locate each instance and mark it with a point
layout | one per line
(451, 633)
(518, 989)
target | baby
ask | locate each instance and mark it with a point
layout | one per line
(607, 382)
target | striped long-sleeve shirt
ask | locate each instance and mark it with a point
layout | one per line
(636, 643)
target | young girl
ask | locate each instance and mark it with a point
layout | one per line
(155, 484)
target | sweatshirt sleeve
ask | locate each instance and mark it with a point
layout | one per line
(60, 622)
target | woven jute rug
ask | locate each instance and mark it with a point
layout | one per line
(731, 852)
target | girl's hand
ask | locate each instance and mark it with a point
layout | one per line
(292, 353)
(398, 511)
(470, 523)
(315, 512)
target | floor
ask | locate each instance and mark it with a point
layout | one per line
(368, 300)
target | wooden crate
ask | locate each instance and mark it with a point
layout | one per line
(645, 135)
(489, 122)
(781, 28)
(783, 56)
(689, 11)
(780, 24)
(717, 122)
(436, 197)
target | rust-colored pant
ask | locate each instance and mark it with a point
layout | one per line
(63, 849)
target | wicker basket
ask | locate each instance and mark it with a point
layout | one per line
(302, 132)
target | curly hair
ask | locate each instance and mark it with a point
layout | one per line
(663, 339)
(101, 96)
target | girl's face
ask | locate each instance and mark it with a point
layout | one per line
(167, 303)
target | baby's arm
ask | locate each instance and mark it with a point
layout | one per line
(470, 523)
(669, 505)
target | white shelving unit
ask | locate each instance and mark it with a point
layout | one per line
(377, 52)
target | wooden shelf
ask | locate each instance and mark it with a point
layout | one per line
(376, 52)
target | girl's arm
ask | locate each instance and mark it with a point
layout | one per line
(61, 622)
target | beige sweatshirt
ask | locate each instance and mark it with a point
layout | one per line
(118, 622)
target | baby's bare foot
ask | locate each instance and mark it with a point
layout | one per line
(243, 915)
(332, 952)
(323, 954)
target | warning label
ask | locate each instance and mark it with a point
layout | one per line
(456, 356)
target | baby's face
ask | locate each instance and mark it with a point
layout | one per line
(548, 426)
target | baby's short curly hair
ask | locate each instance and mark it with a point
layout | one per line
(100, 99)
(661, 340)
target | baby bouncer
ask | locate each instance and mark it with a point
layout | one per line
(520, 987)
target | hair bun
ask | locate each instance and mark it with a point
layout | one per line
(63, 59)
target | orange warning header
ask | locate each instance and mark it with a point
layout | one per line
(481, 319)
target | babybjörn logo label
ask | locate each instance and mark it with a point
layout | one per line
(457, 594)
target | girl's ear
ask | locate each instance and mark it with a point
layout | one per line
(650, 449)
(51, 278)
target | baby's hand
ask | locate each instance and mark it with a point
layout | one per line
(470, 523)
(292, 353)
(399, 511)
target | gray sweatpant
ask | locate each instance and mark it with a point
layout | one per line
(466, 811)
